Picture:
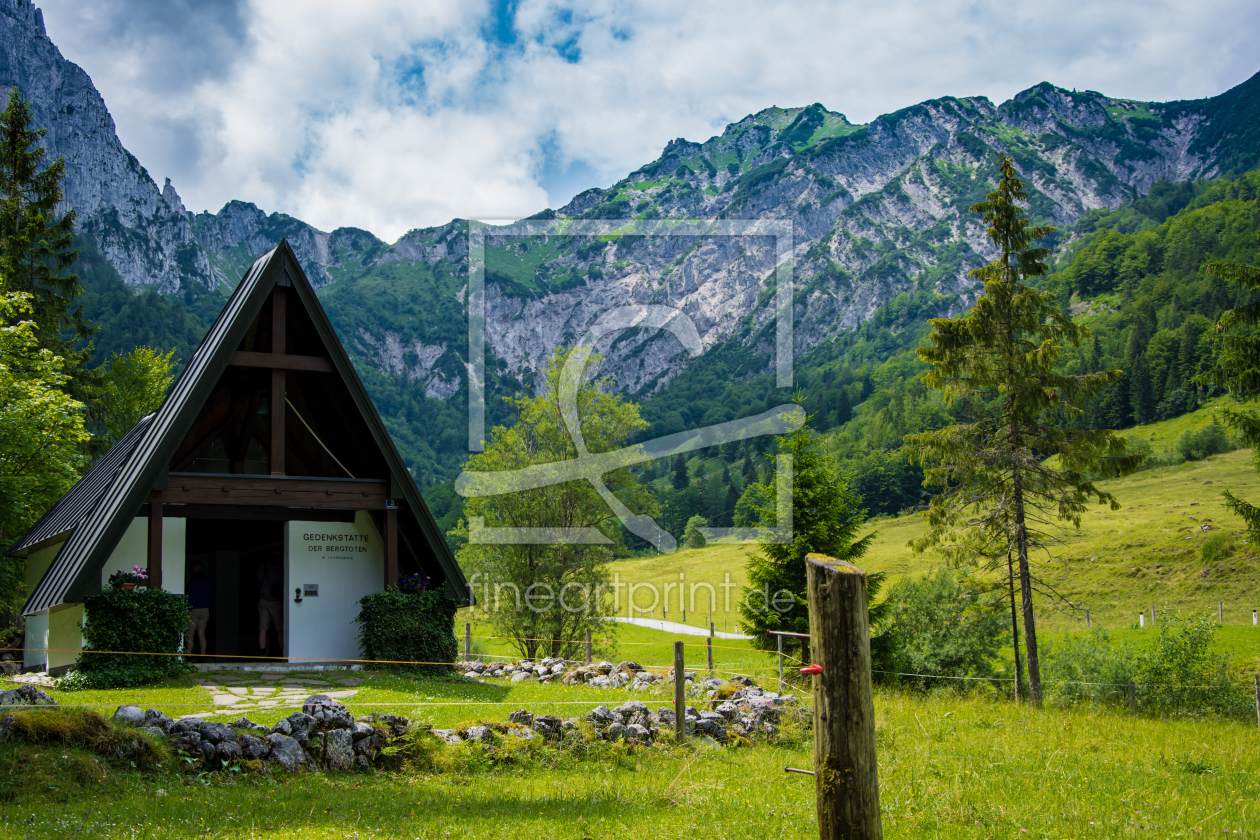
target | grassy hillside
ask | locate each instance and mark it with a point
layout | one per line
(1148, 552)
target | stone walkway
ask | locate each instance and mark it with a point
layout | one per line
(236, 693)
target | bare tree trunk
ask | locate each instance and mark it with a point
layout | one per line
(1025, 586)
(1010, 582)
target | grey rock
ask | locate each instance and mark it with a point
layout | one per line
(153, 717)
(249, 726)
(521, 676)
(361, 762)
(363, 731)
(635, 732)
(523, 732)
(521, 716)
(448, 735)
(301, 725)
(601, 716)
(252, 747)
(666, 715)
(282, 727)
(227, 751)
(286, 751)
(728, 711)
(547, 726)
(339, 749)
(207, 751)
(129, 716)
(480, 733)
(216, 733)
(629, 708)
(153, 732)
(615, 731)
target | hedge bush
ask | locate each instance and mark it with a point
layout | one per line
(405, 627)
(150, 620)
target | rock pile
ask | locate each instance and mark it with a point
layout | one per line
(749, 712)
(324, 736)
(597, 674)
(26, 695)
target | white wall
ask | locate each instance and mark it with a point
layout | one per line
(133, 550)
(347, 561)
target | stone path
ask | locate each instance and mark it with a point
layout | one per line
(234, 694)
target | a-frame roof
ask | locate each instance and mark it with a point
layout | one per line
(97, 511)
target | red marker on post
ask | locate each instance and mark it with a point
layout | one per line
(812, 669)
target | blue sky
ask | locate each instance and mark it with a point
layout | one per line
(399, 114)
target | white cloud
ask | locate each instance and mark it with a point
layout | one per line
(398, 114)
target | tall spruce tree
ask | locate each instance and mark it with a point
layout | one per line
(681, 479)
(36, 247)
(1002, 496)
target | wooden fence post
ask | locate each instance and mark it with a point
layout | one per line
(680, 700)
(1132, 697)
(709, 644)
(468, 641)
(1087, 627)
(1220, 612)
(588, 646)
(846, 776)
(1257, 699)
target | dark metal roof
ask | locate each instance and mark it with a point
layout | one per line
(75, 571)
(70, 509)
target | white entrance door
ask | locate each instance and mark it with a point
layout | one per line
(334, 564)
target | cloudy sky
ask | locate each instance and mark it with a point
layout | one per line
(397, 114)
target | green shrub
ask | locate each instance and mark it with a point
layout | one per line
(398, 627)
(1179, 675)
(936, 624)
(692, 538)
(87, 729)
(1210, 440)
(148, 620)
(1085, 668)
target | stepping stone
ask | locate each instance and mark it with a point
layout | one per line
(262, 690)
(339, 695)
(225, 699)
(263, 704)
(237, 690)
(351, 681)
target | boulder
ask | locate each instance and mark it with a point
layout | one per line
(285, 751)
(547, 726)
(339, 749)
(301, 725)
(327, 712)
(128, 715)
(215, 733)
(638, 734)
(282, 727)
(601, 716)
(479, 733)
(207, 751)
(522, 717)
(153, 731)
(615, 731)
(227, 751)
(253, 748)
(521, 676)
(362, 731)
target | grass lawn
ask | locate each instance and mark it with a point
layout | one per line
(950, 767)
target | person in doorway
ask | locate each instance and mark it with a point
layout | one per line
(200, 597)
(270, 607)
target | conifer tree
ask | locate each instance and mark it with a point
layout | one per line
(680, 473)
(1001, 496)
(36, 247)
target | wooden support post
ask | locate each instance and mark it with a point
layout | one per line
(709, 644)
(846, 775)
(276, 408)
(468, 641)
(154, 562)
(391, 547)
(780, 640)
(1152, 615)
(1220, 612)
(588, 646)
(680, 698)
(1141, 620)
(1087, 627)
(1132, 697)
(1257, 699)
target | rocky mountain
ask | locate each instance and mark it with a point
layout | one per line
(878, 212)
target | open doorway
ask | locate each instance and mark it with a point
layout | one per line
(243, 561)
